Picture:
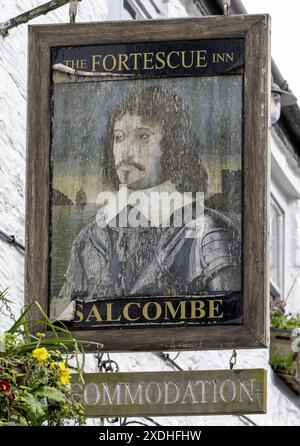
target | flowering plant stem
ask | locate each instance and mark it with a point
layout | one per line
(35, 373)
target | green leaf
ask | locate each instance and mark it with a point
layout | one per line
(16, 419)
(51, 393)
(3, 297)
(22, 421)
(34, 409)
(22, 320)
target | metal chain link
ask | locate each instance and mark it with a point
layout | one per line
(8, 310)
(232, 360)
(4, 303)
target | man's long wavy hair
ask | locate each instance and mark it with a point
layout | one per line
(181, 151)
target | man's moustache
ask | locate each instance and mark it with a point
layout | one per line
(129, 162)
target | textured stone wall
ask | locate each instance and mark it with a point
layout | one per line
(284, 406)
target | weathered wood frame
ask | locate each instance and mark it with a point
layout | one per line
(253, 333)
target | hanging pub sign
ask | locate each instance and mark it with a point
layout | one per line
(213, 392)
(147, 181)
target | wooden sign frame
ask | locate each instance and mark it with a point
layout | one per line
(255, 30)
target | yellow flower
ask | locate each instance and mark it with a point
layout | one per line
(64, 380)
(62, 367)
(52, 365)
(65, 373)
(40, 354)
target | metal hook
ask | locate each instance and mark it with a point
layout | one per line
(226, 7)
(73, 10)
(232, 360)
(99, 357)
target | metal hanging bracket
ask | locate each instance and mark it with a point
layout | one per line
(226, 7)
(32, 14)
(73, 10)
(107, 365)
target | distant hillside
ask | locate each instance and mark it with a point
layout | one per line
(60, 199)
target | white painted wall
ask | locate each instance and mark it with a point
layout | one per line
(285, 186)
(284, 406)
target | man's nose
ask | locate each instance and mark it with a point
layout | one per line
(130, 148)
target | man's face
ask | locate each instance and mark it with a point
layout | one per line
(137, 152)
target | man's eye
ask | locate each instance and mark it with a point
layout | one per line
(144, 135)
(119, 137)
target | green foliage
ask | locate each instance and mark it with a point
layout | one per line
(282, 363)
(279, 319)
(35, 408)
(51, 393)
(35, 373)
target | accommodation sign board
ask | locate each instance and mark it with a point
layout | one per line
(211, 392)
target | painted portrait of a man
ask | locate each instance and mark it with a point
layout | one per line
(162, 239)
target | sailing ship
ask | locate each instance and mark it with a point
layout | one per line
(81, 199)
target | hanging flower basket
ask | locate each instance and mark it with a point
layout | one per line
(35, 374)
(284, 361)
